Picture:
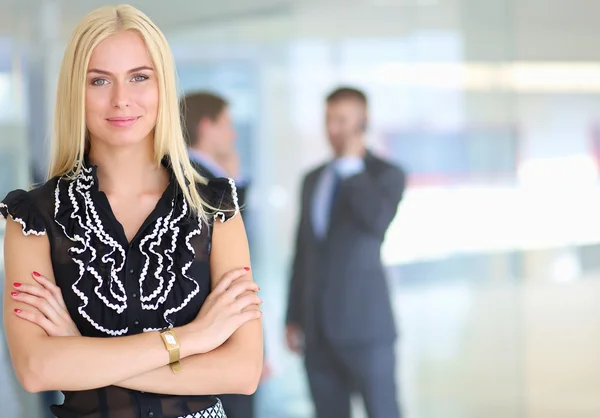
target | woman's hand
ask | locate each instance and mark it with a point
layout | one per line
(232, 303)
(50, 311)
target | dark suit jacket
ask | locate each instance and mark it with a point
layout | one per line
(204, 171)
(338, 283)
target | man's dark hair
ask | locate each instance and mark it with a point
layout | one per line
(197, 106)
(347, 93)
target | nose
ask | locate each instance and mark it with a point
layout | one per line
(120, 96)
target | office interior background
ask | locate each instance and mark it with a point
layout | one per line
(493, 108)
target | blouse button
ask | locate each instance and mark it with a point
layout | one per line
(134, 295)
(136, 322)
(131, 271)
(150, 414)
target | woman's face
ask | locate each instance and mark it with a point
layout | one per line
(121, 94)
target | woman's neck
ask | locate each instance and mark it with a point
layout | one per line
(127, 170)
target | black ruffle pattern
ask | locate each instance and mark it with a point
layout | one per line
(20, 207)
(224, 198)
(166, 249)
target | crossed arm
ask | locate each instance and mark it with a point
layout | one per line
(44, 363)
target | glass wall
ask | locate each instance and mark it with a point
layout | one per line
(492, 108)
(14, 173)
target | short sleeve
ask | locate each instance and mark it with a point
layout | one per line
(223, 198)
(19, 205)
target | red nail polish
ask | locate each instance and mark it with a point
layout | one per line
(36, 274)
(247, 268)
(17, 284)
(17, 310)
(14, 293)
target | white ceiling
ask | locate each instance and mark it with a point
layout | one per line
(18, 17)
(531, 29)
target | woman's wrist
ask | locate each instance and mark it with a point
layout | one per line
(188, 345)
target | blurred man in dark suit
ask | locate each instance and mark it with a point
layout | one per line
(210, 136)
(339, 312)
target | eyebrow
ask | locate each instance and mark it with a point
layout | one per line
(133, 70)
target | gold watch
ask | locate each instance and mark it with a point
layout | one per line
(172, 345)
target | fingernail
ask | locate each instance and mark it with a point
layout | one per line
(17, 284)
(17, 310)
(36, 274)
(247, 268)
(14, 293)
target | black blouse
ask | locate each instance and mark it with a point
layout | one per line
(113, 287)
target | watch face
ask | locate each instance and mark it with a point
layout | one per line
(170, 339)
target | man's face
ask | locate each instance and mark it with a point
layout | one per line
(345, 121)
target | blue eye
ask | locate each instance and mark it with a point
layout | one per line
(99, 82)
(140, 77)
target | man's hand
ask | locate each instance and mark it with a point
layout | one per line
(294, 337)
(267, 371)
(354, 146)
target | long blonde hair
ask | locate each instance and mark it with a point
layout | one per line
(69, 134)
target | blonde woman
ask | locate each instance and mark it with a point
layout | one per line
(128, 284)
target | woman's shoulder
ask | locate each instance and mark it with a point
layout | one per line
(220, 195)
(31, 207)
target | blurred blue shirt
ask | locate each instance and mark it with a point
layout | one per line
(212, 166)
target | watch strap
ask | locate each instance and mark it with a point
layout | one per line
(176, 367)
(172, 345)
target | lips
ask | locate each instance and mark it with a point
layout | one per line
(122, 121)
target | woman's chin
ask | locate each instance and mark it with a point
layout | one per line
(122, 139)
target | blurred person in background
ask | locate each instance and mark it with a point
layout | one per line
(339, 312)
(128, 280)
(210, 136)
